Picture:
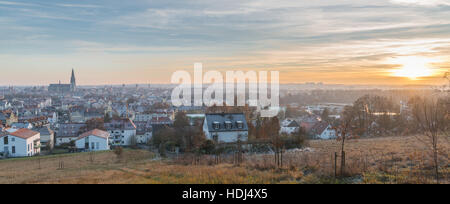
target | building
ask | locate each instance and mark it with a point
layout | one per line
(22, 125)
(122, 132)
(225, 127)
(64, 88)
(323, 130)
(68, 132)
(195, 119)
(289, 126)
(20, 143)
(94, 140)
(144, 132)
(47, 136)
(4, 105)
(159, 123)
(8, 118)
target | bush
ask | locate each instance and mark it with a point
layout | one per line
(118, 151)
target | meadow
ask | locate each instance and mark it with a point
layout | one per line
(372, 160)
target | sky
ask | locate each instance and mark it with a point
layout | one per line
(394, 42)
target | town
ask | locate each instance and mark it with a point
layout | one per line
(69, 119)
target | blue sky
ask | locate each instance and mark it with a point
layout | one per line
(142, 41)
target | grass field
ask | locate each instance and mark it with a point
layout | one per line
(378, 160)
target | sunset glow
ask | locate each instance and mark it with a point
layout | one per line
(414, 67)
(393, 42)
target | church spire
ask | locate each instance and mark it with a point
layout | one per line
(73, 81)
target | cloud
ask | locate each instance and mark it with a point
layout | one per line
(423, 2)
(79, 5)
(295, 37)
(12, 3)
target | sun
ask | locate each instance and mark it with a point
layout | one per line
(413, 67)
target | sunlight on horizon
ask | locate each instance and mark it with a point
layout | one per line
(414, 67)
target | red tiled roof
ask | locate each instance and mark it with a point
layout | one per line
(95, 132)
(24, 133)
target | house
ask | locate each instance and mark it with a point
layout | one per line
(159, 123)
(77, 117)
(36, 121)
(8, 118)
(4, 105)
(68, 132)
(20, 143)
(92, 114)
(94, 140)
(144, 132)
(307, 126)
(195, 119)
(225, 127)
(47, 136)
(122, 131)
(289, 126)
(22, 125)
(323, 130)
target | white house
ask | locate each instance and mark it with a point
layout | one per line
(323, 130)
(94, 140)
(121, 132)
(289, 126)
(20, 143)
(225, 127)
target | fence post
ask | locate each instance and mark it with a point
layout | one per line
(343, 163)
(335, 164)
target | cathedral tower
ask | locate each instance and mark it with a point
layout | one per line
(73, 83)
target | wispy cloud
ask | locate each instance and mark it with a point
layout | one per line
(423, 2)
(13, 3)
(79, 5)
(306, 39)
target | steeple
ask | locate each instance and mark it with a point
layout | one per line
(73, 83)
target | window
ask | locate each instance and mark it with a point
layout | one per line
(13, 139)
(216, 125)
(97, 145)
(228, 124)
(92, 145)
(240, 124)
(5, 140)
(13, 149)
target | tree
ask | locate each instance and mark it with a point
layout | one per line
(207, 147)
(181, 120)
(344, 131)
(431, 114)
(95, 123)
(299, 137)
(325, 115)
(192, 138)
(107, 118)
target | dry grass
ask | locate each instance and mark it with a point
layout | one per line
(378, 160)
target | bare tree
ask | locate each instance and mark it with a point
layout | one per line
(431, 115)
(344, 131)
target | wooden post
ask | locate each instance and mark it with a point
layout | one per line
(335, 164)
(343, 163)
(281, 159)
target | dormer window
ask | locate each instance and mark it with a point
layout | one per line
(240, 124)
(216, 125)
(228, 125)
